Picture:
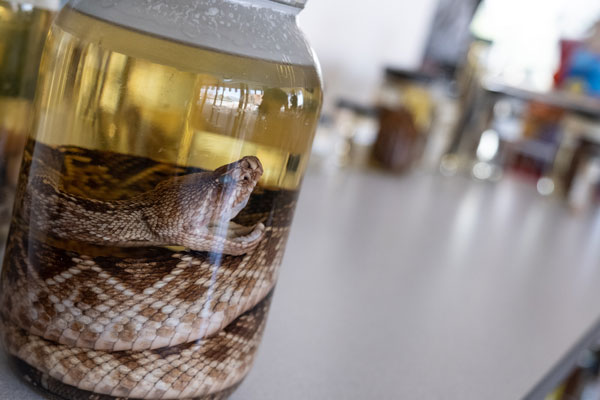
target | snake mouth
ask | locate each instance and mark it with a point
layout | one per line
(254, 234)
(241, 234)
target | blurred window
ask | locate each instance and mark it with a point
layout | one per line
(525, 35)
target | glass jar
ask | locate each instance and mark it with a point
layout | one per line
(156, 193)
(406, 111)
(23, 29)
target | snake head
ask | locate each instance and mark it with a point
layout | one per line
(189, 204)
(236, 181)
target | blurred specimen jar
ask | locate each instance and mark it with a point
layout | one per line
(23, 30)
(156, 194)
(406, 115)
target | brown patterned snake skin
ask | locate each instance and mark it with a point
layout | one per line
(95, 297)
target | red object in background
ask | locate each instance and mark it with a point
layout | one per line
(567, 48)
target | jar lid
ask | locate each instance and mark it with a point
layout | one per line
(262, 29)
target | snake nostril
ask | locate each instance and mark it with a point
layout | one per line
(253, 164)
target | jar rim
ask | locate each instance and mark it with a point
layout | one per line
(269, 30)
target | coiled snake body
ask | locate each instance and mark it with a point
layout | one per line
(138, 279)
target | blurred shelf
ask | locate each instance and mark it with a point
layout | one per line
(577, 103)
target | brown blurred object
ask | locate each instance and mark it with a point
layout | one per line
(582, 180)
(399, 143)
(406, 115)
(541, 118)
(582, 383)
(534, 153)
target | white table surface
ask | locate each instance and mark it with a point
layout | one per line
(423, 287)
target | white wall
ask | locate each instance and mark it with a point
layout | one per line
(355, 39)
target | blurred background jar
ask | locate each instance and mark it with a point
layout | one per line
(416, 111)
(24, 25)
(405, 116)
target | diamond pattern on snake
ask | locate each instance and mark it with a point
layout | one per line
(126, 277)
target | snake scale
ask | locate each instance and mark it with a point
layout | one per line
(130, 278)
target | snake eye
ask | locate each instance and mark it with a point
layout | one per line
(226, 179)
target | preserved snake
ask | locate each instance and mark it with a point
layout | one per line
(132, 278)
